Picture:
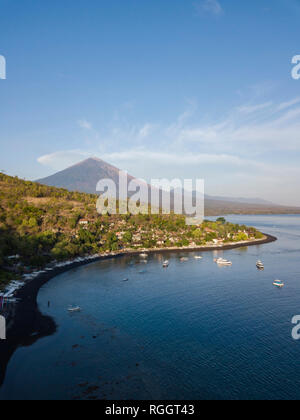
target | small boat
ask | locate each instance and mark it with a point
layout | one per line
(198, 257)
(222, 261)
(184, 259)
(166, 264)
(74, 309)
(260, 265)
(278, 283)
(144, 255)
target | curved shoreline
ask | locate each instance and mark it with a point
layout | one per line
(29, 325)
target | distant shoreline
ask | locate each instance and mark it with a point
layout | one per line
(28, 324)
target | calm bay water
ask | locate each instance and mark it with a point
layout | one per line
(192, 331)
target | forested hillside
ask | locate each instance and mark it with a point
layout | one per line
(40, 224)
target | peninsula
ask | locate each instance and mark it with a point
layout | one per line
(42, 225)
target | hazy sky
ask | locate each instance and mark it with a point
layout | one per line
(162, 88)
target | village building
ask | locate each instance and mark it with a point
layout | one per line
(208, 230)
(83, 222)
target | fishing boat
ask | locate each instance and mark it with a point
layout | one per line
(260, 265)
(278, 283)
(222, 261)
(166, 264)
(74, 309)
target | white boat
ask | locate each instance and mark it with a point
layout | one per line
(198, 257)
(184, 259)
(222, 261)
(74, 309)
(144, 255)
(278, 283)
(166, 264)
(260, 265)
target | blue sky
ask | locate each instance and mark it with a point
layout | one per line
(162, 88)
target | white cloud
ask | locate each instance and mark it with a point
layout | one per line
(172, 158)
(249, 109)
(288, 104)
(257, 143)
(249, 131)
(62, 159)
(84, 124)
(145, 131)
(208, 6)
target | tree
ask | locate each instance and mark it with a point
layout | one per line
(127, 238)
(258, 235)
(242, 236)
(221, 220)
(197, 234)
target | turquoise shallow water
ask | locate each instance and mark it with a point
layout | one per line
(192, 331)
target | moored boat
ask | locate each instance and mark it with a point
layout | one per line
(222, 261)
(74, 309)
(278, 283)
(260, 265)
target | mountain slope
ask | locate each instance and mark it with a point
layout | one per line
(244, 200)
(84, 176)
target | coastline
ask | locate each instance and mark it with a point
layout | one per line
(28, 324)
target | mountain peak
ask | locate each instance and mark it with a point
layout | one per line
(84, 176)
(94, 159)
(89, 160)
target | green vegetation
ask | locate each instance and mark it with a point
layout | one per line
(41, 224)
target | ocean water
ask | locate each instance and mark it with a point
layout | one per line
(192, 331)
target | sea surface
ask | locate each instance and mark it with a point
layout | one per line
(191, 331)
